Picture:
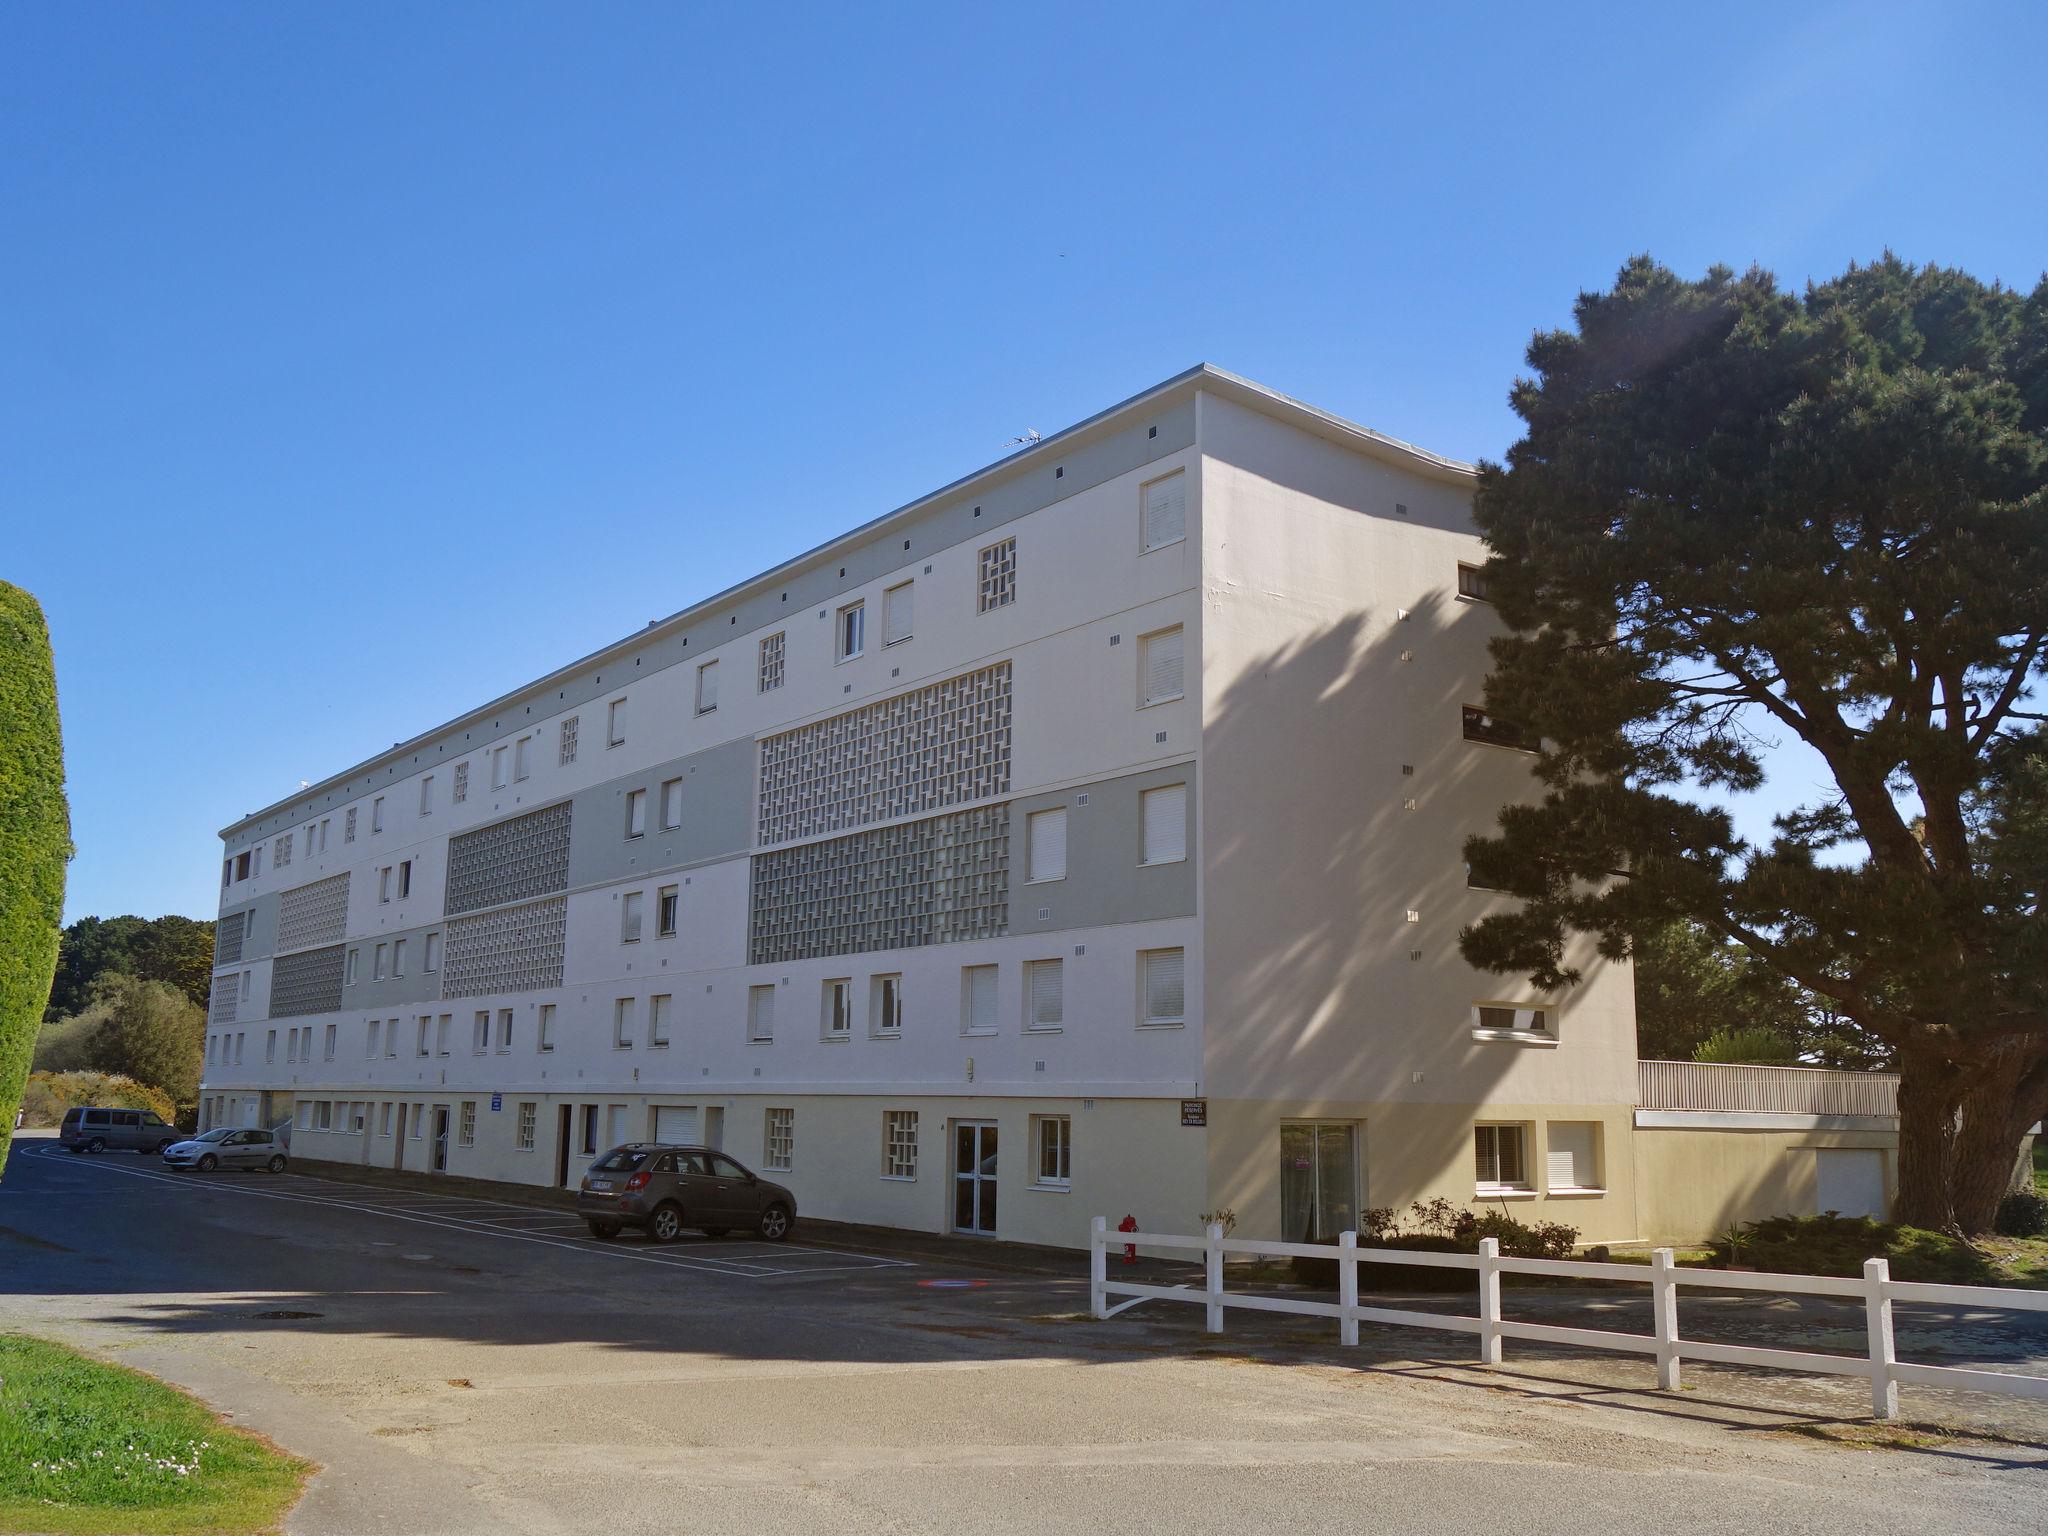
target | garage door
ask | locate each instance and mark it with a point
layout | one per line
(1849, 1181)
(675, 1124)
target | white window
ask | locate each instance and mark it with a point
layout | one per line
(885, 1005)
(1472, 582)
(480, 1032)
(270, 1048)
(465, 1124)
(377, 964)
(442, 1026)
(1053, 1142)
(1159, 666)
(1162, 979)
(977, 1000)
(324, 1114)
(527, 1115)
(671, 804)
(998, 576)
(1044, 994)
(353, 956)
(397, 957)
(327, 1044)
(500, 767)
(1166, 824)
(761, 1013)
(404, 879)
(660, 1009)
(666, 902)
(547, 1026)
(384, 1119)
(377, 815)
(419, 1121)
(245, 986)
(1497, 1150)
(348, 825)
(432, 963)
(1048, 840)
(899, 1143)
(566, 753)
(522, 758)
(384, 884)
(424, 1045)
(1510, 1018)
(897, 621)
(778, 1149)
(636, 812)
(770, 673)
(707, 687)
(370, 1038)
(1573, 1161)
(427, 795)
(1166, 511)
(615, 723)
(836, 1009)
(622, 1024)
(504, 1031)
(852, 631)
(629, 916)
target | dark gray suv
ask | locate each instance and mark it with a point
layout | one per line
(663, 1189)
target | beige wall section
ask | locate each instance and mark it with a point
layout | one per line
(1417, 1152)
(1696, 1184)
(1331, 617)
(1129, 1155)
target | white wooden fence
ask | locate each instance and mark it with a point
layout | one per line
(1765, 1090)
(1878, 1291)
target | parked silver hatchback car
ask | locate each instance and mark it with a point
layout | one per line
(226, 1147)
(664, 1189)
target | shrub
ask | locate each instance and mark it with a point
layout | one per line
(1834, 1244)
(2023, 1213)
(48, 1094)
(1441, 1227)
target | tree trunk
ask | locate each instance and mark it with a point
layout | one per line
(1960, 1129)
(1928, 1097)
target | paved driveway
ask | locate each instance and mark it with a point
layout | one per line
(460, 1367)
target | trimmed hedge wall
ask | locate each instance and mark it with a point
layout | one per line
(35, 840)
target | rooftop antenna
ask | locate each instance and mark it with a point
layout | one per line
(1028, 440)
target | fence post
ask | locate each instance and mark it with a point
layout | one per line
(1877, 1311)
(1664, 1312)
(1098, 1268)
(1212, 1270)
(1347, 1286)
(1489, 1301)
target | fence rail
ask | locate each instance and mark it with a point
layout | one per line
(1764, 1090)
(1879, 1364)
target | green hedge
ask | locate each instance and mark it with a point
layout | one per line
(35, 839)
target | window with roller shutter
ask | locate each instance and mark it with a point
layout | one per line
(1159, 666)
(897, 609)
(978, 999)
(1048, 840)
(1044, 994)
(1165, 511)
(1165, 824)
(1162, 986)
(1573, 1155)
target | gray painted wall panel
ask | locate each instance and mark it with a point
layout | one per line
(718, 818)
(417, 985)
(1105, 883)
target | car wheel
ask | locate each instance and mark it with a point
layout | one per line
(96, 1145)
(276, 1164)
(714, 1231)
(604, 1231)
(776, 1222)
(161, 1148)
(208, 1162)
(666, 1224)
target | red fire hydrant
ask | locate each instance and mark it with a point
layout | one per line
(1129, 1224)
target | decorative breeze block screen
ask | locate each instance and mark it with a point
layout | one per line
(308, 982)
(924, 882)
(997, 587)
(512, 860)
(313, 914)
(906, 756)
(516, 949)
(227, 938)
(226, 992)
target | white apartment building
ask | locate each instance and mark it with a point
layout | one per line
(1081, 838)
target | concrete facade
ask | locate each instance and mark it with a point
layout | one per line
(1226, 617)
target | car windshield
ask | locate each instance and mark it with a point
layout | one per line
(218, 1133)
(620, 1160)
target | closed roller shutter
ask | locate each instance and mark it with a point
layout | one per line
(1166, 519)
(675, 1124)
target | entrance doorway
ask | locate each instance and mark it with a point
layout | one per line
(1319, 1182)
(564, 1121)
(974, 1176)
(398, 1140)
(440, 1138)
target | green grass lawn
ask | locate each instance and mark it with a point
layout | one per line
(91, 1449)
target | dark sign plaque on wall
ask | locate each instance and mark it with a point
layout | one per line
(1194, 1112)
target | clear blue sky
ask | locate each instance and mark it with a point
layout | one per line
(360, 362)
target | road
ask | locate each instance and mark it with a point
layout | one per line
(463, 1366)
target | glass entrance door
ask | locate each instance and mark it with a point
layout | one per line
(1319, 1184)
(440, 1138)
(974, 1176)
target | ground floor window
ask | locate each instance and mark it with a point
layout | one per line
(779, 1149)
(465, 1132)
(1053, 1138)
(590, 1129)
(527, 1113)
(1319, 1182)
(899, 1144)
(1498, 1152)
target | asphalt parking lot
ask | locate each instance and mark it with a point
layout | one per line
(458, 1364)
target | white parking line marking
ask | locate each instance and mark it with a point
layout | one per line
(302, 1193)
